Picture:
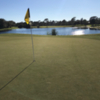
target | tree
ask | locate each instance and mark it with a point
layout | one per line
(73, 21)
(64, 22)
(81, 20)
(21, 25)
(3, 23)
(11, 23)
(85, 22)
(53, 22)
(77, 22)
(93, 20)
(98, 21)
(46, 20)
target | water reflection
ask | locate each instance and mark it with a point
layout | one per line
(60, 31)
(78, 32)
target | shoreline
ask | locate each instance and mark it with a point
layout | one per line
(5, 30)
(77, 27)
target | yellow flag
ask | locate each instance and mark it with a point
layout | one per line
(27, 16)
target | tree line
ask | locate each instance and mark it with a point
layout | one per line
(6, 24)
(94, 20)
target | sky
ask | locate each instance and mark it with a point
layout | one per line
(52, 9)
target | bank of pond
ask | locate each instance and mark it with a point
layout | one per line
(57, 30)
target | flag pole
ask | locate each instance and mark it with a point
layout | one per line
(32, 41)
(27, 19)
(31, 37)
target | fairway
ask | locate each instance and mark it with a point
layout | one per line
(65, 67)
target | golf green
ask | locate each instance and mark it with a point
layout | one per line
(65, 67)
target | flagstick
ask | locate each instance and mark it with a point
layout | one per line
(32, 42)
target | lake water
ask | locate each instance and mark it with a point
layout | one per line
(60, 31)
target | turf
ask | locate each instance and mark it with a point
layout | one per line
(66, 67)
(7, 29)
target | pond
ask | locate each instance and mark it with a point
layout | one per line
(60, 31)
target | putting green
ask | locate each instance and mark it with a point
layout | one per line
(66, 68)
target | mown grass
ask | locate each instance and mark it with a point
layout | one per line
(66, 68)
(92, 36)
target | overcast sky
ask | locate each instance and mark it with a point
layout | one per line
(52, 9)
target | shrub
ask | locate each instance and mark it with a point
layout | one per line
(54, 32)
(19, 26)
(38, 26)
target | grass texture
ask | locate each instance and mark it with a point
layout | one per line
(66, 67)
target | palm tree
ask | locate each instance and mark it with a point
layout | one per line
(46, 20)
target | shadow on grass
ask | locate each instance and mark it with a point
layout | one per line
(17, 75)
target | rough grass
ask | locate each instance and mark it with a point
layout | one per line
(66, 68)
(7, 29)
(52, 26)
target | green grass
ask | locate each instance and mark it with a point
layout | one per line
(66, 67)
(92, 36)
(7, 29)
(51, 26)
